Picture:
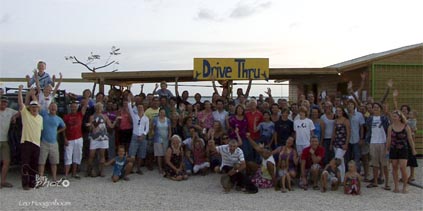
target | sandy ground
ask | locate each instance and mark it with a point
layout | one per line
(153, 192)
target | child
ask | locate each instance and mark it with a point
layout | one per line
(122, 165)
(213, 155)
(266, 128)
(284, 174)
(352, 180)
(188, 160)
(200, 158)
(332, 175)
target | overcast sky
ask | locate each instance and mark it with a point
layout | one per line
(168, 34)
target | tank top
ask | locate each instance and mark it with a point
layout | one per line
(99, 132)
(399, 140)
(340, 135)
(289, 157)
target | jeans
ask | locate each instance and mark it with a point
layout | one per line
(328, 152)
(354, 153)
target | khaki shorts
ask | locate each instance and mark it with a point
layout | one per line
(49, 150)
(378, 154)
(4, 151)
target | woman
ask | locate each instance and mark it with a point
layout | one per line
(98, 136)
(289, 154)
(125, 125)
(240, 121)
(412, 123)
(216, 133)
(175, 122)
(341, 137)
(319, 125)
(205, 117)
(174, 169)
(162, 133)
(398, 142)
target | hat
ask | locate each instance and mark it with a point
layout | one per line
(4, 98)
(33, 103)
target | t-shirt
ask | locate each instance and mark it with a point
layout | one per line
(44, 80)
(31, 127)
(329, 124)
(303, 128)
(378, 132)
(228, 158)
(151, 114)
(283, 129)
(266, 128)
(306, 155)
(165, 93)
(221, 117)
(6, 117)
(240, 124)
(356, 120)
(250, 119)
(119, 164)
(50, 125)
(45, 101)
(73, 125)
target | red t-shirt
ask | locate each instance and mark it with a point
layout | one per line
(73, 125)
(250, 119)
(306, 155)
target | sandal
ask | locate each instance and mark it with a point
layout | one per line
(316, 187)
(126, 178)
(387, 187)
(6, 185)
(371, 185)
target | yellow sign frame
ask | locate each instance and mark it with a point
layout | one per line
(231, 68)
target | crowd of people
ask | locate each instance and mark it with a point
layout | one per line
(254, 142)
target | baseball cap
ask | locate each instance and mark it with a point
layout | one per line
(33, 103)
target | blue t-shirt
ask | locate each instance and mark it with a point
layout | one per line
(119, 165)
(44, 80)
(266, 129)
(50, 126)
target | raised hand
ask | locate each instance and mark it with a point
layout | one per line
(395, 93)
(390, 83)
(350, 84)
(363, 75)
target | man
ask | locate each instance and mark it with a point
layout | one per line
(377, 126)
(233, 164)
(311, 162)
(220, 114)
(357, 131)
(52, 125)
(32, 125)
(6, 115)
(151, 113)
(43, 77)
(140, 128)
(254, 117)
(328, 119)
(73, 138)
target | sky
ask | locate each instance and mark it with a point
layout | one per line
(168, 34)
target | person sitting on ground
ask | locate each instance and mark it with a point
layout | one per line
(122, 165)
(174, 168)
(201, 161)
(331, 174)
(311, 162)
(352, 180)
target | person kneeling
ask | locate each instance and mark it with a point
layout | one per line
(122, 165)
(331, 174)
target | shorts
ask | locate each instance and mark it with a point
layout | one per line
(138, 148)
(159, 149)
(378, 153)
(282, 173)
(120, 173)
(397, 154)
(99, 144)
(200, 166)
(73, 152)
(331, 178)
(365, 149)
(49, 150)
(4, 151)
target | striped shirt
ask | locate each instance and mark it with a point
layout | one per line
(228, 158)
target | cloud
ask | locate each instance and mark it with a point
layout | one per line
(4, 19)
(205, 14)
(243, 9)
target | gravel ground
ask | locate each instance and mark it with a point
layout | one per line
(152, 192)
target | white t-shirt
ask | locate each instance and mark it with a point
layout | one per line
(378, 132)
(329, 124)
(45, 101)
(5, 117)
(303, 128)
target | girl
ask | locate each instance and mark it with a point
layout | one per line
(341, 137)
(201, 163)
(352, 180)
(284, 174)
(122, 165)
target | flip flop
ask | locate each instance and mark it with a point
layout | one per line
(387, 187)
(6, 185)
(371, 185)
